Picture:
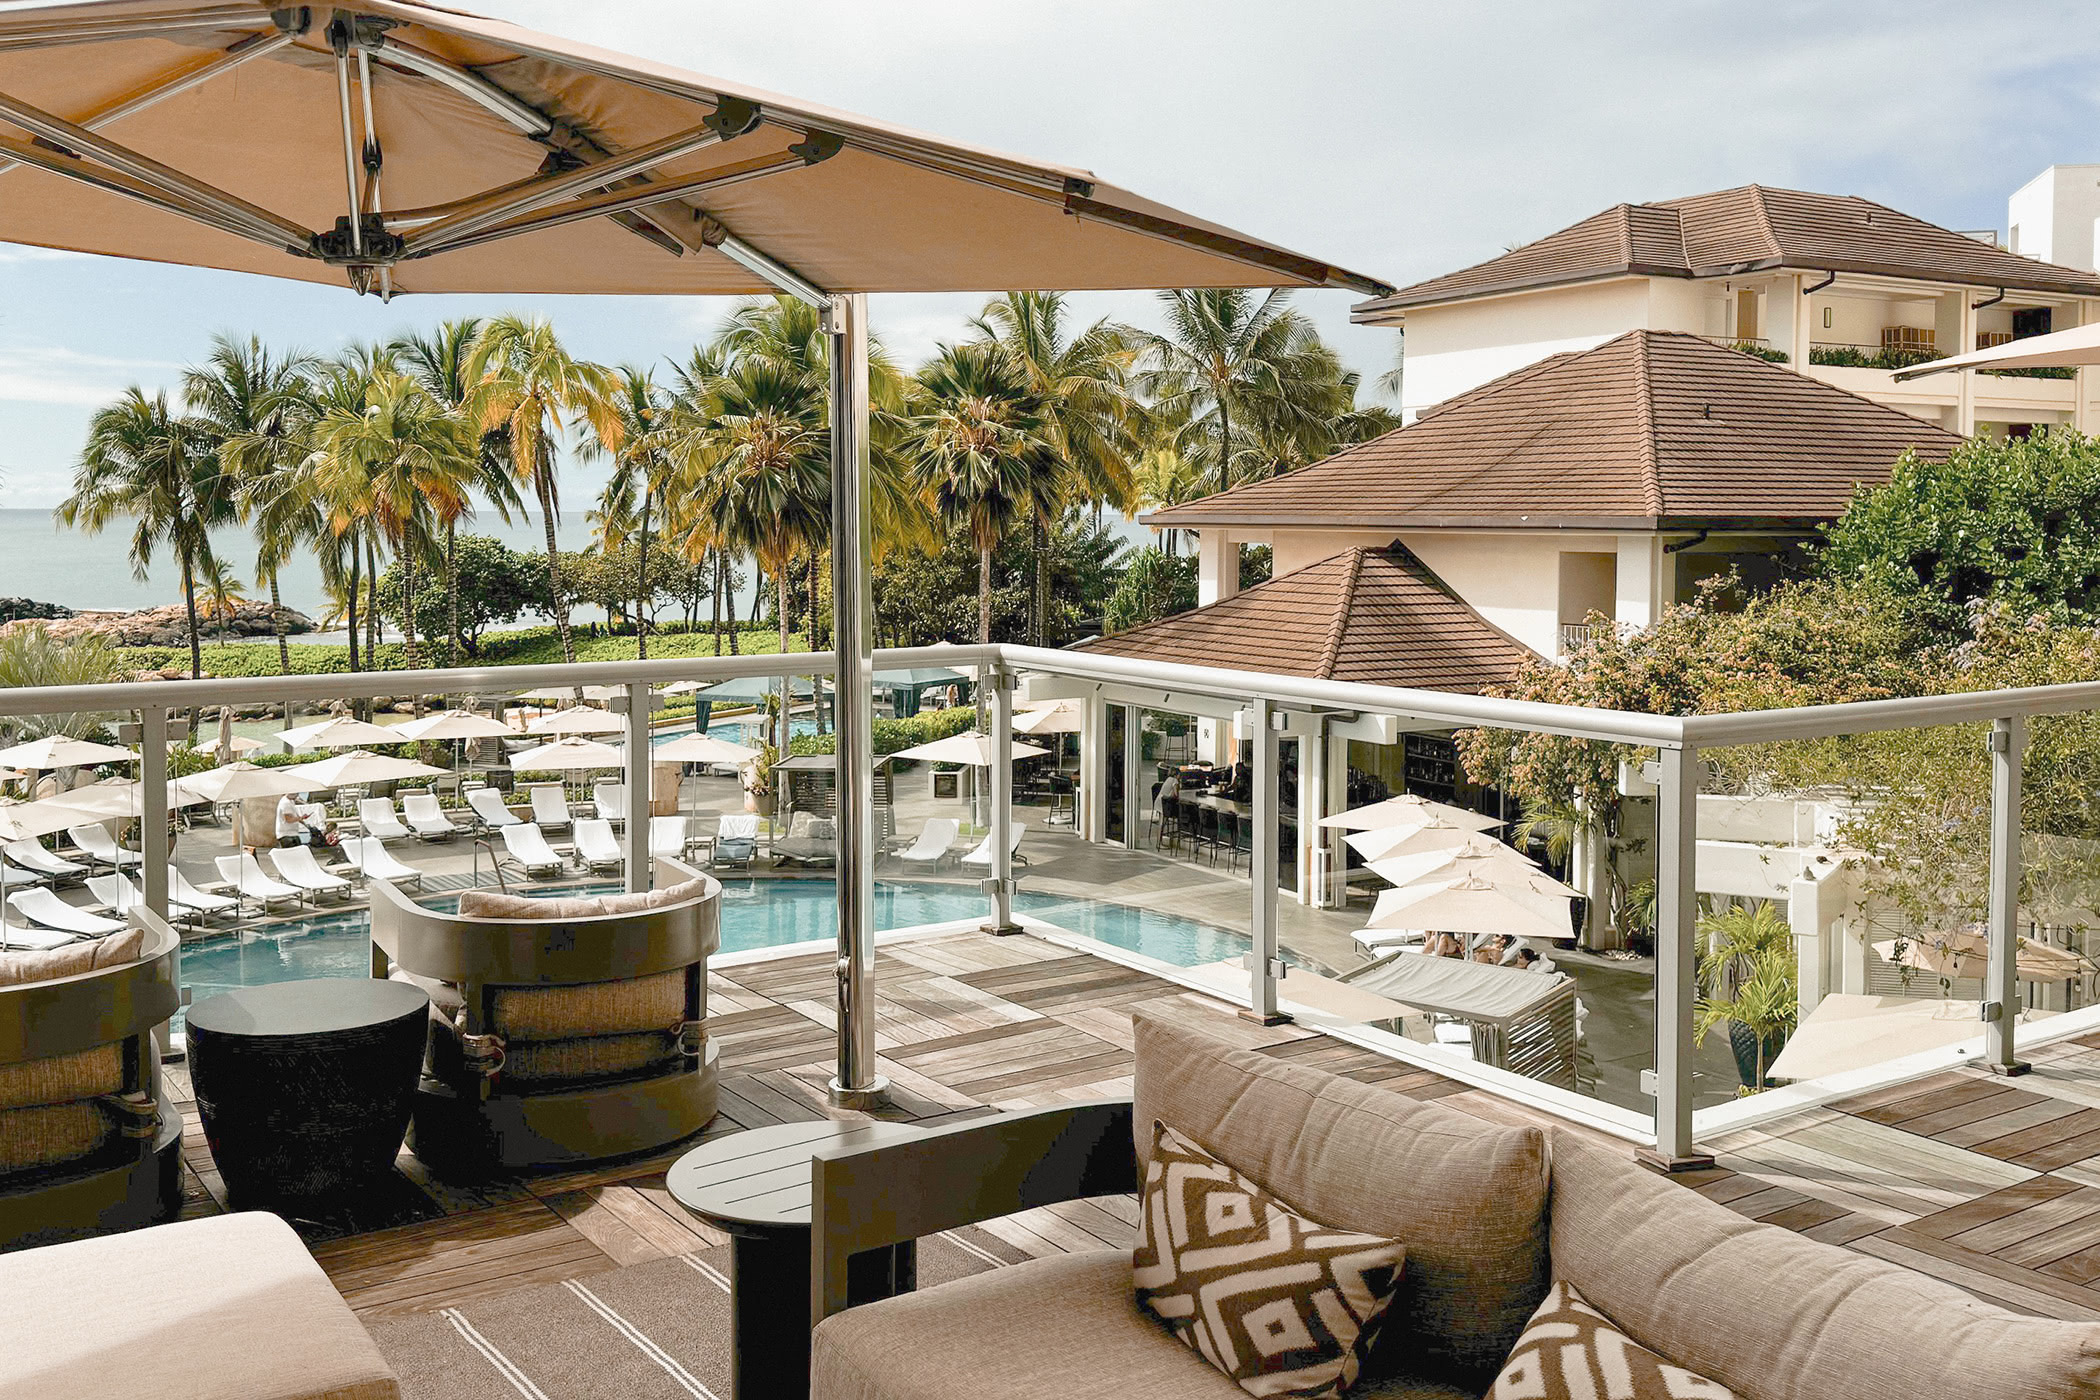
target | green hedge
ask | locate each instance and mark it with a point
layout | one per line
(892, 735)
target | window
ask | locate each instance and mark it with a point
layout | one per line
(1746, 315)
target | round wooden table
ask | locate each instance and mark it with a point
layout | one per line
(755, 1185)
(305, 1087)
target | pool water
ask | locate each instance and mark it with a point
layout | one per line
(738, 729)
(755, 914)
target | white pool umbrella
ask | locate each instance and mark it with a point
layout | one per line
(2059, 349)
(703, 748)
(570, 755)
(1408, 809)
(341, 732)
(1050, 717)
(1480, 856)
(967, 747)
(25, 821)
(117, 797)
(1469, 904)
(234, 782)
(1432, 834)
(454, 724)
(210, 747)
(581, 720)
(57, 751)
(681, 687)
(361, 766)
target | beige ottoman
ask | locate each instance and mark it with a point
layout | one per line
(227, 1308)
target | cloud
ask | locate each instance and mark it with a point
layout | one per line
(52, 374)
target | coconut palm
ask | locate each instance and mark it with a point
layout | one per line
(31, 657)
(1165, 478)
(221, 591)
(690, 405)
(641, 459)
(145, 462)
(530, 389)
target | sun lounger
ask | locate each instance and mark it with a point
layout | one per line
(376, 815)
(736, 840)
(375, 862)
(595, 846)
(812, 840)
(427, 817)
(30, 855)
(121, 896)
(246, 876)
(611, 801)
(550, 808)
(180, 888)
(14, 934)
(296, 865)
(981, 858)
(528, 847)
(46, 908)
(14, 877)
(667, 837)
(488, 807)
(936, 843)
(101, 847)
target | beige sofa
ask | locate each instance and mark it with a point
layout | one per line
(1490, 1215)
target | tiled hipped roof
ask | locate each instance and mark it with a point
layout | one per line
(1733, 232)
(1375, 616)
(1651, 429)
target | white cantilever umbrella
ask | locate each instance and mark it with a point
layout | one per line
(341, 732)
(240, 744)
(1408, 809)
(1430, 834)
(234, 782)
(1469, 904)
(2059, 349)
(360, 766)
(1488, 859)
(970, 747)
(703, 748)
(118, 797)
(570, 755)
(57, 751)
(1050, 717)
(454, 724)
(581, 720)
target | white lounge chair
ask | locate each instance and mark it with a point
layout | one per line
(46, 908)
(528, 847)
(736, 840)
(16, 878)
(595, 845)
(981, 858)
(376, 815)
(935, 844)
(667, 837)
(102, 847)
(14, 934)
(610, 799)
(550, 808)
(296, 864)
(375, 862)
(488, 806)
(122, 896)
(429, 819)
(180, 888)
(247, 877)
(31, 855)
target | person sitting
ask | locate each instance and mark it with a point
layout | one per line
(1443, 945)
(1491, 951)
(1527, 960)
(302, 823)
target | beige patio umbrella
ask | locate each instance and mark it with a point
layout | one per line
(57, 751)
(580, 720)
(1848, 1031)
(970, 746)
(116, 797)
(2078, 346)
(1470, 904)
(1050, 717)
(235, 782)
(1958, 953)
(454, 724)
(1408, 809)
(570, 755)
(360, 766)
(1489, 859)
(702, 748)
(25, 821)
(339, 732)
(1431, 834)
(239, 744)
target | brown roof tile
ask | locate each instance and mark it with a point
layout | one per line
(1650, 429)
(1374, 616)
(1730, 232)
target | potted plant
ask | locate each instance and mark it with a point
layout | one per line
(1749, 982)
(758, 781)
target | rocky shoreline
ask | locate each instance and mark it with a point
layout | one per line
(165, 626)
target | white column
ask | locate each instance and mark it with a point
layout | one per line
(1093, 770)
(2082, 380)
(1263, 966)
(1217, 566)
(1966, 405)
(1137, 789)
(639, 773)
(1804, 322)
(1312, 802)
(2001, 983)
(1637, 601)
(154, 853)
(1676, 920)
(1338, 785)
(1001, 883)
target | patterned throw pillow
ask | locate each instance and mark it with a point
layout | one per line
(1282, 1304)
(1570, 1351)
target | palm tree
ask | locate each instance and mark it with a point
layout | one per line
(222, 590)
(1165, 478)
(641, 468)
(257, 407)
(143, 461)
(528, 387)
(31, 656)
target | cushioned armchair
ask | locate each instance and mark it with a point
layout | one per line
(88, 1139)
(1490, 1216)
(561, 1029)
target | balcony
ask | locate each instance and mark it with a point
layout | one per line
(1574, 636)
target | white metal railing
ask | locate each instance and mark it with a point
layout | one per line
(1574, 636)
(1262, 698)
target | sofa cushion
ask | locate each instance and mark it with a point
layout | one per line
(1282, 1304)
(496, 904)
(99, 1069)
(1062, 1328)
(1467, 1197)
(20, 965)
(48, 1134)
(1573, 1352)
(1775, 1316)
(226, 1308)
(652, 1003)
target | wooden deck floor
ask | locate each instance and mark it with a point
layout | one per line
(1994, 1186)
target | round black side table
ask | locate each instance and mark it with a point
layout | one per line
(755, 1185)
(305, 1087)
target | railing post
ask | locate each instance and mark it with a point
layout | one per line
(1264, 968)
(1001, 883)
(153, 807)
(639, 771)
(2001, 985)
(1676, 929)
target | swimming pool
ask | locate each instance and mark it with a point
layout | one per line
(755, 914)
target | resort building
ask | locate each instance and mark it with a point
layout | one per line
(1843, 289)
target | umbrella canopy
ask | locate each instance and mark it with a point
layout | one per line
(919, 675)
(239, 744)
(1408, 809)
(1490, 860)
(25, 821)
(703, 748)
(1392, 917)
(1433, 834)
(360, 766)
(454, 724)
(57, 751)
(339, 732)
(751, 688)
(681, 687)
(1965, 952)
(117, 797)
(581, 720)
(967, 747)
(233, 782)
(2077, 346)
(1848, 1031)
(566, 693)
(570, 755)
(1050, 717)
(1469, 904)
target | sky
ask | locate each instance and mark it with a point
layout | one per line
(1402, 140)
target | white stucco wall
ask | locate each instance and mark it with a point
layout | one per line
(2051, 216)
(1451, 349)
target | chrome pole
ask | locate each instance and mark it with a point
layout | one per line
(2001, 984)
(1001, 883)
(339, 39)
(853, 628)
(639, 699)
(1676, 924)
(1264, 967)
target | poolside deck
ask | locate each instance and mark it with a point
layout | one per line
(1993, 1186)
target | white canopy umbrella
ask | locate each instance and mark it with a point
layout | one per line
(970, 747)
(2059, 349)
(116, 797)
(1050, 717)
(240, 744)
(1848, 1031)
(234, 782)
(57, 751)
(681, 687)
(1961, 953)
(341, 732)
(361, 766)
(1391, 913)
(1482, 855)
(581, 720)
(1469, 904)
(25, 821)
(1408, 809)
(570, 755)
(1433, 834)
(454, 724)
(703, 748)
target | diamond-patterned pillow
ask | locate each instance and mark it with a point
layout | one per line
(1283, 1305)
(1570, 1351)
